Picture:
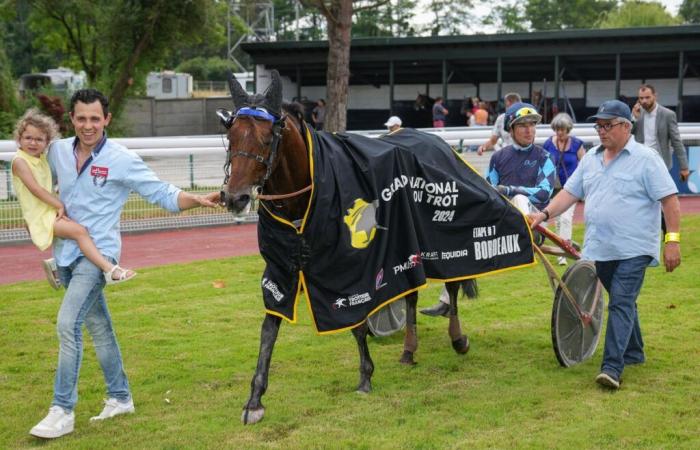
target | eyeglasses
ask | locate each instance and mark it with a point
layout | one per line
(32, 139)
(607, 127)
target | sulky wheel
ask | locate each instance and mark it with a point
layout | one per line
(574, 339)
(388, 320)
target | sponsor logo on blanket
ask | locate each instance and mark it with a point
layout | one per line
(361, 220)
(353, 300)
(379, 280)
(272, 287)
(410, 263)
(495, 247)
(454, 254)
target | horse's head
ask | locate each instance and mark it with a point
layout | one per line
(423, 101)
(254, 132)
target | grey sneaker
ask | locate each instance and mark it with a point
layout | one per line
(439, 309)
(57, 423)
(114, 407)
(607, 380)
(51, 271)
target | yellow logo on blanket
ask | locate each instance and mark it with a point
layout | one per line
(361, 220)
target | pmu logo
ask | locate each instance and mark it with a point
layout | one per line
(361, 220)
(410, 263)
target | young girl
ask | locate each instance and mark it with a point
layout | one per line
(43, 212)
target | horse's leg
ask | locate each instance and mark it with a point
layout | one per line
(460, 342)
(254, 410)
(366, 364)
(410, 342)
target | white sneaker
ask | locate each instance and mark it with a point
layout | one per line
(114, 407)
(57, 423)
(561, 261)
(51, 271)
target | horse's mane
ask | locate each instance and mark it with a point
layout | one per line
(294, 109)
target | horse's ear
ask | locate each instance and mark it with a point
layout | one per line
(273, 94)
(238, 94)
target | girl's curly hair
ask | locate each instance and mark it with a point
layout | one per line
(39, 120)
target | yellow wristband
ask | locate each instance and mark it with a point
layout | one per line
(672, 237)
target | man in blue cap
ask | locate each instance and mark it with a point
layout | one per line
(522, 171)
(625, 185)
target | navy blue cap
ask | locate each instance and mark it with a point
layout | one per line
(612, 109)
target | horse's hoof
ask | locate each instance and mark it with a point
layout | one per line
(461, 345)
(364, 388)
(251, 416)
(407, 359)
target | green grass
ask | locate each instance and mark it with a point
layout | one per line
(190, 351)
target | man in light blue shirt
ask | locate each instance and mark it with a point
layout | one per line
(624, 185)
(95, 177)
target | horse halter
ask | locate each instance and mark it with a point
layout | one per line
(278, 124)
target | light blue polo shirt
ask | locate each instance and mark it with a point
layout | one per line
(622, 209)
(95, 197)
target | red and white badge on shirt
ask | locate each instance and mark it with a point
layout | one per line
(99, 175)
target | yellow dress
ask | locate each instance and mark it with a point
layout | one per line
(39, 216)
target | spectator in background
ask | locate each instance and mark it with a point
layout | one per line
(498, 131)
(566, 151)
(657, 127)
(481, 115)
(318, 114)
(439, 113)
(393, 124)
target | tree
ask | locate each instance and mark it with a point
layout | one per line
(338, 14)
(636, 13)
(294, 22)
(508, 18)
(18, 37)
(690, 11)
(449, 16)
(8, 96)
(540, 15)
(392, 19)
(565, 14)
(116, 42)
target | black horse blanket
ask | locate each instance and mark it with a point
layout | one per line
(385, 215)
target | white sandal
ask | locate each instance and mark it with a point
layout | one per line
(124, 275)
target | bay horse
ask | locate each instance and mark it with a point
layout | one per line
(267, 153)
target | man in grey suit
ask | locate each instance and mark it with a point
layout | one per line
(656, 127)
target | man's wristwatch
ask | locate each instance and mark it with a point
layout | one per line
(546, 214)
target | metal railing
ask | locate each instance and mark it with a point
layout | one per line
(195, 163)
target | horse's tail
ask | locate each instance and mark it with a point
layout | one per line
(470, 288)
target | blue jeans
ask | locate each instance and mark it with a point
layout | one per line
(84, 303)
(623, 338)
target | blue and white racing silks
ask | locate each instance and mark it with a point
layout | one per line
(95, 195)
(527, 171)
